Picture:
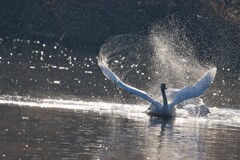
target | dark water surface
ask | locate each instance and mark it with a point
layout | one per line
(50, 133)
(49, 69)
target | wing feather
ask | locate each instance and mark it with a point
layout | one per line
(179, 95)
(111, 76)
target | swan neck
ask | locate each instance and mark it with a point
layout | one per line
(165, 102)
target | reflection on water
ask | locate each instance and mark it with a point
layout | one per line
(50, 133)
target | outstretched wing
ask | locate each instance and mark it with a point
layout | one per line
(111, 76)
(179, 95)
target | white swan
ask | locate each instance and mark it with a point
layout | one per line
(175, 95)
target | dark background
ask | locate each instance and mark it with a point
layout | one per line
(86, 24)
(82, 26)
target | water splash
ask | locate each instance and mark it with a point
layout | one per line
(145, 61)
(217, 116)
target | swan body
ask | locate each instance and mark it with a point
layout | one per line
(175, 95)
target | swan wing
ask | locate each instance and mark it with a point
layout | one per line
(179, 95)
(111, 76)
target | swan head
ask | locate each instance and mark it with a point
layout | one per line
(163, 86)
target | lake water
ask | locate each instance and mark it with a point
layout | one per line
(53, 95)
(68, 129)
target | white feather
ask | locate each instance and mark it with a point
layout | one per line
(111, 76)
(179, 95)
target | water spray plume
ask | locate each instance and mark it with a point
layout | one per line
(165, 55)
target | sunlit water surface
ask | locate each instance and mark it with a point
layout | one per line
(69, 129)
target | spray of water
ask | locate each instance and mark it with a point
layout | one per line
(164, 55)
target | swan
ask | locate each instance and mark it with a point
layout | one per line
(176, 96)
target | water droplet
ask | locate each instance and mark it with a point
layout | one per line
(88, 72)
(56, 82)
